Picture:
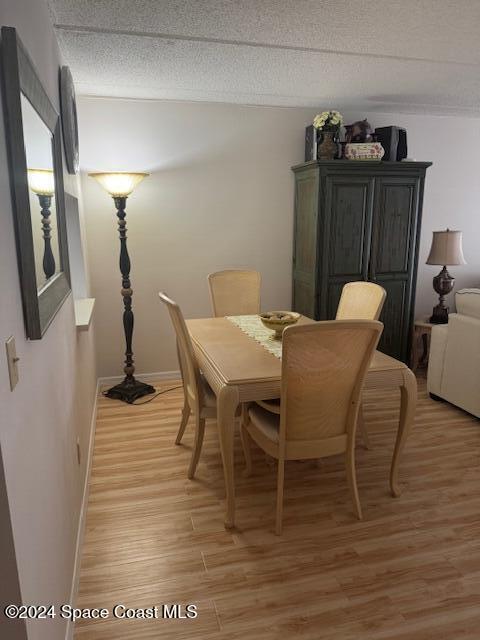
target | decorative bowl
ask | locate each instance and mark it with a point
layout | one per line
(278, 320)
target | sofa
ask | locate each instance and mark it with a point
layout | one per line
(454, 362)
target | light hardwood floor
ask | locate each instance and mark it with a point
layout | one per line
(409, 570)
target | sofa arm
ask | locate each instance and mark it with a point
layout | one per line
(467, 302)
(460, 382)
(438, 347)
(464, 332)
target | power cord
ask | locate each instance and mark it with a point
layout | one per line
(159, 393)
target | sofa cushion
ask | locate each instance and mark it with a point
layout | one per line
(467, 302)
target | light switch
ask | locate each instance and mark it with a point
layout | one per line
(12, 361)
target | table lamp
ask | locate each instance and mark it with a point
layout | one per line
(42, 183)
(120, 185)
(446, 250)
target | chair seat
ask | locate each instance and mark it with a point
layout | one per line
(265, 421)
(209, 398)
(270, 405)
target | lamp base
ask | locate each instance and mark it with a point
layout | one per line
(439, 315)
(443, 285)
(129, 390)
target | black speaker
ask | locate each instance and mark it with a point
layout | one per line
(402, 151)
(310, 143)
(394, 141)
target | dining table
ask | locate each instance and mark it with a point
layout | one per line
(239, 369)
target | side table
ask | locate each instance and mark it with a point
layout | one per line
(422, 329)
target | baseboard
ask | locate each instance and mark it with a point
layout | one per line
(160, 375)
(83, 514)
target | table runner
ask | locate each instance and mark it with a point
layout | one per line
(253, 327)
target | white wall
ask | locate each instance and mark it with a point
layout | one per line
(221, 195)
(53, 401)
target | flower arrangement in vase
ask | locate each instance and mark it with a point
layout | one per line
(328, 125)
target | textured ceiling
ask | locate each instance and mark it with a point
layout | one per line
(385, 55)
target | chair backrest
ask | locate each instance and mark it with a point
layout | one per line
(323, 371)
(361, 301)
(234, 292)
(186, 355)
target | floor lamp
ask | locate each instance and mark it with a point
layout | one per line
(120, 186)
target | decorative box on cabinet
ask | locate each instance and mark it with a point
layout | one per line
(359, 221)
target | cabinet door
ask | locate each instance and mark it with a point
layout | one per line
(305, 243)
(393, 257)
(347, 231)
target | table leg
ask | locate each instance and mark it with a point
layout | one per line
(227, 403)
(414, 357)
(408, 405)
(423, 359)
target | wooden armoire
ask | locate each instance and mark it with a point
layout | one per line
(359, 220)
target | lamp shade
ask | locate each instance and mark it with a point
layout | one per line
(119, 184)
(446, 248)
(41, 181)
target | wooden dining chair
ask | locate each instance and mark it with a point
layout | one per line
(199, 398)
(323, 370)
(235, 292)
(361, 301)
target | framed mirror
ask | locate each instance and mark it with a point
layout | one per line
(36, 184)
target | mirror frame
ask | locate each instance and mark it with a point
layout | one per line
(19, 76)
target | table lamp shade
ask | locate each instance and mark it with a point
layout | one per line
(446, 248)
(119, 184)
(41, 181)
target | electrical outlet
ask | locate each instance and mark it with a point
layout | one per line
(12, 362)
(79, 452)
